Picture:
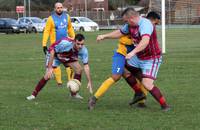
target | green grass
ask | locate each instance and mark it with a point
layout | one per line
(22, 65)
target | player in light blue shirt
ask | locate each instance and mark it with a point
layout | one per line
(67, 52)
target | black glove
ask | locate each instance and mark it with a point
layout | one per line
(45, 50)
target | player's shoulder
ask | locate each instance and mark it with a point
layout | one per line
(125, 40)
(145, 21)
(50, 18)
(83, 50)
(125, 25)
(124, 29)
(67, 14)
(145, 25)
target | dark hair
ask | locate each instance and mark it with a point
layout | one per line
(129, 11)
(79, 37)
(153, 15)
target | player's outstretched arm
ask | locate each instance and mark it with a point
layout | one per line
(49, 71)
(112, 35)
(87, 73)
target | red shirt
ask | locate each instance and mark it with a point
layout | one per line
(152, 50)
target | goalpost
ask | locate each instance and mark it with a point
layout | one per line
(159, 6)
(178, 17)
(163, 26)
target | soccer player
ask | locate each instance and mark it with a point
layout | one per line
(118, 64)
(155, 19)
(58, 26)
(146, 55)
(67, 52)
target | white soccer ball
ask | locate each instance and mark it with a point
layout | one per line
(74, 85)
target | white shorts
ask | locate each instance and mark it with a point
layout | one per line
(149, 67)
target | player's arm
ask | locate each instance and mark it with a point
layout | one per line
(141, 46)
(83, 55)
(145, 30)
(112, 35)
(88, 76)
(52, 53)
(46, 34)
(115, 34)
(50, 67)
(70, 28)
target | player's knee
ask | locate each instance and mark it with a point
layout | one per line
(78, 70)
(126, 75)
(46, 78)
(148, 83)
(116, 77)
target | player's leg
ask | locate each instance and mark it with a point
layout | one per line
(77, 75)
(155, 92)
(149, 70)
(77, 69)
(40, 85)
(56, 70)
(58, 75)
(70, 73)
(131, 80)
(136, 72)
(141, 103)
(132, 65)
(106, 85)
(118, 62)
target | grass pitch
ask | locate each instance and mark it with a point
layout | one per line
(22, 65)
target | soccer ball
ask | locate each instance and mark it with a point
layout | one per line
(74, 85)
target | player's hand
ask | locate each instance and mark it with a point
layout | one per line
(100, 37)
(49, 73)
(45, 50)
(129, 55)
(89, 87)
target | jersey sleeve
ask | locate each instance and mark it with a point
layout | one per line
(70, 28)
(46, 32)
(124, 29)
(83, 55)
(146, 28)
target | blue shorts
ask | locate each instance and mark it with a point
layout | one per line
(118, 63)
(56, 62)
(149, 67)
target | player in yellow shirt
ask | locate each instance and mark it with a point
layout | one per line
(58, 26)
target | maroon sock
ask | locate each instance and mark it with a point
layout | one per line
(155, 92)
(39, 86)
(131, 80)
(78, 77)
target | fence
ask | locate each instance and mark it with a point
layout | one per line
(101, 17)
(179, 11)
